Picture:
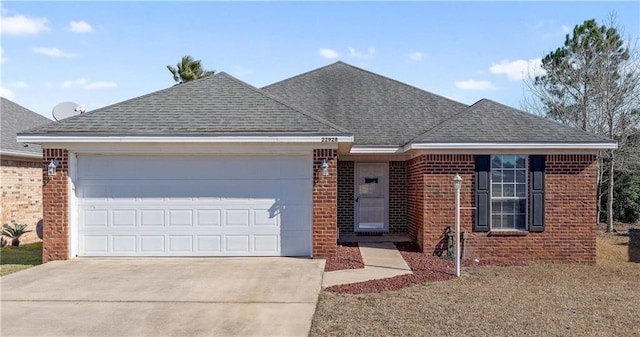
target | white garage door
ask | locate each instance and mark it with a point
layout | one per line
(194, 206)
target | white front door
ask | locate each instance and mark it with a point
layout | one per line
(371, 197)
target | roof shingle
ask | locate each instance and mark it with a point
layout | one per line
(379, 110)
(212, 106)
(16, 118)
(489, 122)
(384, 112)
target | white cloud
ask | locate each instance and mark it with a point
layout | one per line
(416, 56)
(19, 84)
(328, 53)
(565, 29)
(356, 54)
(101, 85)
(53, 51)
(518, 69)
(475, 85)
(2, 58)
(6, 93)
(80, 27)
(86, 84)
(74, 83)
(22, 25)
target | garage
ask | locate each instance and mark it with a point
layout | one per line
(194, 205)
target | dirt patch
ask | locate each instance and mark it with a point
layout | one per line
(347, 257)
(425, 267)
(536, 300)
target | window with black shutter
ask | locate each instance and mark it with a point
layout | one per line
(502, 192)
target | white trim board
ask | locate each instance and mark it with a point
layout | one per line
(375, 150)
(21, 154)
(150, 139)
(508, 146)
(491, 147)
(181, 149)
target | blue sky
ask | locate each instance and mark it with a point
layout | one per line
(100, 53)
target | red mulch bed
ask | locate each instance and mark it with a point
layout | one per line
(425, 267)
(347, 257)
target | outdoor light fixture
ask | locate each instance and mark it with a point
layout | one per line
(457, 184)
(51, 168)
(325, 167)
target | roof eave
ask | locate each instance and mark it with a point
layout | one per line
(319, 138)
(21, 154)
(363, 149)
(509, 146)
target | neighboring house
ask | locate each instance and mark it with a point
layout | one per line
(216, 167)
(21, 169)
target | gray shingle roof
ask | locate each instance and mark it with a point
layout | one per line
(16, 118)
(216, 105)
(379, 110)
(489, 122)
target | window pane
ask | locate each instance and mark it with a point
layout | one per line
(521, 206)
(496, 162)
(508, 206)
(521, 222)
(508, 176)
(521, 190)
(508, 221)
(521, 176)
(521, 162)
(496, 175)
(496, 221)
(508, 161)
(508, 190)
(496, 190)
(496, 207)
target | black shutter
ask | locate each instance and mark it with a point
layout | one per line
(536, 193)
(483, 198)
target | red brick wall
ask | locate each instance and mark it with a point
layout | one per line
(55, 228)
(570, 212)
(21, 194)
(415, 198)
(325, 204)
(440, 196)
(346, 196)
(397, 197)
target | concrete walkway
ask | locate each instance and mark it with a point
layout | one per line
(381, 260)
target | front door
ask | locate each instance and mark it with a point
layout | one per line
(371, 197)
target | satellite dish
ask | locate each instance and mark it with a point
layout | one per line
(66, 109)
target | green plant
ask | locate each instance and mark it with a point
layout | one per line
(15, 233)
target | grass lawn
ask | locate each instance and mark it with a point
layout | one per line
(537, 300)
(13, 259)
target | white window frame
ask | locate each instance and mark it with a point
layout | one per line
(526, 195)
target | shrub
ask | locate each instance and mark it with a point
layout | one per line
(15, 233)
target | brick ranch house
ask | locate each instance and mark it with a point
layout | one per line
(217, 167)
(20, 170)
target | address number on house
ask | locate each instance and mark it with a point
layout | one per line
(329, 139)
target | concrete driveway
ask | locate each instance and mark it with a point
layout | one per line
(162, 297)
